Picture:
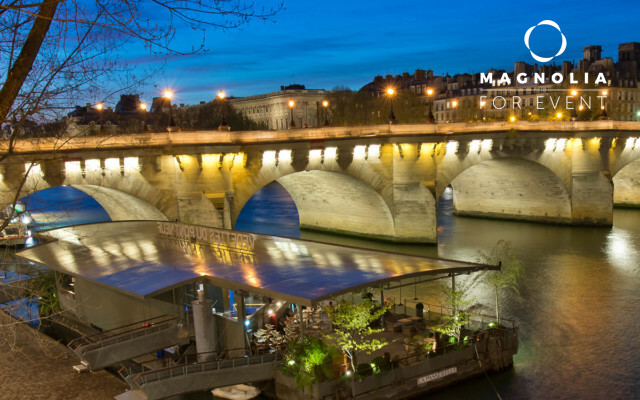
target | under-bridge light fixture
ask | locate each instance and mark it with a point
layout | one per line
(269, 157)
(72, 166)
(33, 169)
(359, 152)
(131, 164)
(284, 156)
(315, 155)
(630, 144)
(550, 144)
(330, 153)
(374, 150)
(451, 147)
(92, 165)
(475, 146)
(487, 144)
(561, 144)
(178, 161)
(112, 163)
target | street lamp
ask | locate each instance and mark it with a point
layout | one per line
(482, 104)
(168, 95)
(604, 94)
(430, 118)
(454, 105)
(223, 124)
(392, 116)
(325, 104)
(143, 110)
(100, 107)
(292, 104)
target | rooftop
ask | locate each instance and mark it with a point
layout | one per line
(146, 258)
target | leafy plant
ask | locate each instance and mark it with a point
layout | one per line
(505, 279)
(309, 360)
(352, 324)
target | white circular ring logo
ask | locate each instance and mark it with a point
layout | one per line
(537, 57)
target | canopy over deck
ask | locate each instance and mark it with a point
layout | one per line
(145, 258)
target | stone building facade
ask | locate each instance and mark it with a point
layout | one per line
(271, 110)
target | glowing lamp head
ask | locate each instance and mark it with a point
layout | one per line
(482, 104)
(325, 103)
(605, 92)
(222, 95)
(512, 118)
(454, 103)
(574, 92)
(559, 115)
(390, 91)
(291, 103)
(429, 92)
(99, 106)
(143, 106)
(168, 94)
(581, 107)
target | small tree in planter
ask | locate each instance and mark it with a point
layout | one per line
(352, 328)
(462, 306)
(507, 277)
(309, 361)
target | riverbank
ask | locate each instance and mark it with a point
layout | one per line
(36, 367)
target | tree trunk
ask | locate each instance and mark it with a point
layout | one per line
(24, 63)
(497, 307)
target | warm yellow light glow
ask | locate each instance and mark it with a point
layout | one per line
(630, 142)
(72, 166)
(390, 91)
(374, 150)
(284, 156)
(291, 103)
(474, 145)
(92, 165)
(483, 103)
(452, 147)
(604, 93)
(574, 92)
(112, 163)
(359, 152)
(168, 94)
(35, 169)
(454, 103)
(561, 144)
(222, 95)
(512, 118)
(315, 154)
(268, 157)
(581, 107)
(550, 144)
(143, 106)
(131, 163)
(429, 91)
(487, 144)
(559, 115)
(325, 103)
(330, 153)
(99, 106)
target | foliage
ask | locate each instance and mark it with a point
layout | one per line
(462, 306)
(505, 279)
(44, 287)
(352, 324)
(309, 361)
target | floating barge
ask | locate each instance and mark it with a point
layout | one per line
(176, 308)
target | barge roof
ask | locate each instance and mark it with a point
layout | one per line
(146, 258)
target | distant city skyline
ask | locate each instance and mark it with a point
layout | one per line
(323, 45)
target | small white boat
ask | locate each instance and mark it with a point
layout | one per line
(14, 235)
(236, 392)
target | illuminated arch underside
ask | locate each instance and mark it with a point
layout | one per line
(121, 206)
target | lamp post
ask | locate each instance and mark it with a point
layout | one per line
(143, 110)
(482, 104)
(223, 124)
(430, 118)
(325, 104)
(292, 104)
(100, 107)
(604, 94)
(168, 95)
(454, 105)
(574, 114)
(392, 116)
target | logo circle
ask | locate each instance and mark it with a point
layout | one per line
(537, 57)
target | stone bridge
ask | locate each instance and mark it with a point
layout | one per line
(376, 181)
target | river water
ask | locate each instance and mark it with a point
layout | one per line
(578, 305)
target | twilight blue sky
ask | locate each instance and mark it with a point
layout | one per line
(326, 43)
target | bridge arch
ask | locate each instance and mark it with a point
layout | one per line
(337, 202)
(626, 185)
(511, 188)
